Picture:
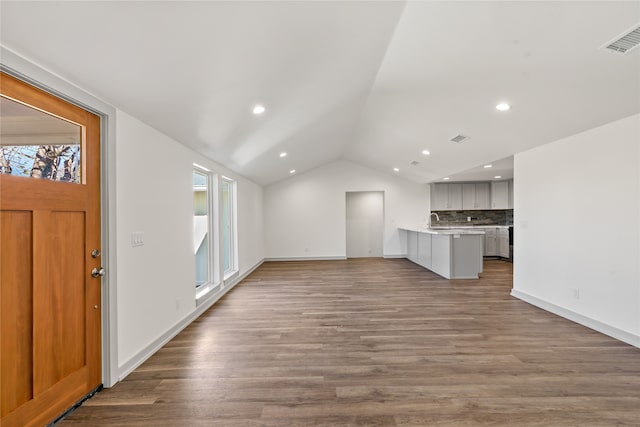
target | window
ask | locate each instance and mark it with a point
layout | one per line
(201, 226)
(227, 203)
(36, 144)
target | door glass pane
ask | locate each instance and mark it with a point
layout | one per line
(201, 226)
(38, 145)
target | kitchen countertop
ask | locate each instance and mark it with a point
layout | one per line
(444, 231)
(465, 227)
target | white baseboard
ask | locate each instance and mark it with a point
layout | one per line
(325, 258)
(596, 325)
(156, 345)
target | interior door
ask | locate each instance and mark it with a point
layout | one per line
(364, 224)
(49, 244)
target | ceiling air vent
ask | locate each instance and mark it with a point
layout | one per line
(458, 139)
(625, 42)
(414, 163)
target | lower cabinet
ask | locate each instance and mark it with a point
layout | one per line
(419, 248)
(412, 246)
(490, 243)
(424, 250)
(496, 242)
(451, 255)
(441, 259)
(503, 242)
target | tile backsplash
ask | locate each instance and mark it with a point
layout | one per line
(488, 217)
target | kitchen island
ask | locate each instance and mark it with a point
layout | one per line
(451, 253)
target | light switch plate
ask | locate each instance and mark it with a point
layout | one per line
(137, 238)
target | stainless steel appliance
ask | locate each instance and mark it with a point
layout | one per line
(511, 243)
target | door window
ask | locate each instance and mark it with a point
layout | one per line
(38, 145)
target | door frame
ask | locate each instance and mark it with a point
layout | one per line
(40, 78)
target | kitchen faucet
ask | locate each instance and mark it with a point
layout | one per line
(429, 221)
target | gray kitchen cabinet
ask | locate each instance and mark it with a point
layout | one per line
(500, 195)
(439, 197)
(483, 195)
(468, 196)
(412, 246)
(472, 196)
(424, 250)
(453, 254)
(490, 242)
(446, 197)
(455, 197)
(496, 242)
(503, 242)
(476, 196)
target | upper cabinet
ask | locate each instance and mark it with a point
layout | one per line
(446, 197)
(472, 196)
(455, 196)
(500, 195)
(476, 196)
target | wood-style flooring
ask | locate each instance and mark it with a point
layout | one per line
(374, 342)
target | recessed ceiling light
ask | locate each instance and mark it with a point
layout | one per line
(497, 177)
(446, 178)
(426, 152)
(503, 106)
(292, 171)
(259, 109)
(283, 154)
(396, 170)
(485, 166)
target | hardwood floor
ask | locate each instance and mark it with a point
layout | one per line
(372, 342)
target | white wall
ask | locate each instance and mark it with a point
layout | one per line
(305, 214)
(155, 282)
(365, 224)
(249, 223)
(577, 236)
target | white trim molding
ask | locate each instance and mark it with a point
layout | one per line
(326, 258)
(596, 325)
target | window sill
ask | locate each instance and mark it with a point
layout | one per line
(231, 275)
(204, 291)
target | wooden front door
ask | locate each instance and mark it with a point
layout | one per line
(49, 225)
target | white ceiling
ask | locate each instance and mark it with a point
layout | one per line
(499, 170)
(373, 82)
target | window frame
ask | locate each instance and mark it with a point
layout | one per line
(212, 282)
(232, 271)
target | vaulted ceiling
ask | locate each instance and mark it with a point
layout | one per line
(372, 82)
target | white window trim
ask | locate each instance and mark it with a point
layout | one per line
(213, 282)
(233, 269)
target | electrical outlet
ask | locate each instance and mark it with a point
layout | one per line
(177, 304)
(468, 219)
(576, 293)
